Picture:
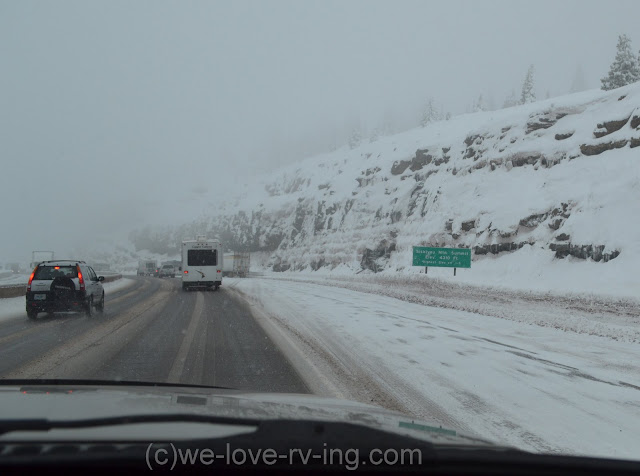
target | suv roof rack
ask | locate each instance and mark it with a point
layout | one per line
(62, 260)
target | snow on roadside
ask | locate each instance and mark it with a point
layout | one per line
(117, 285)
(612, 318)
(11, 308)
(14, 279)
(537, 388)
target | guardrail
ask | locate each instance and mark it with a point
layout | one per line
(13, 290)
(16, 290)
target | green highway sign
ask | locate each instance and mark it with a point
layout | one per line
(442, 257)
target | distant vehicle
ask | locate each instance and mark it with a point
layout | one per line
(236, 264)
(14, 267)
(167, 270)
(201, 263)
(148, 268)
(64, 285)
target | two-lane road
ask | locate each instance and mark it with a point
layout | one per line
(151, 331)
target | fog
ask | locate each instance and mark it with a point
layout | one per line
(118, 114)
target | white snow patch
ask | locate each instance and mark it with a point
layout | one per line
(536, 388)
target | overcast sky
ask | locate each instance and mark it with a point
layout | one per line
(115, 114)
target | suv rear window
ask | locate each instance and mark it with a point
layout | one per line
(202, 257)
(52, 272)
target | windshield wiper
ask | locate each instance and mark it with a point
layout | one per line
(105, 383)
(43, 424)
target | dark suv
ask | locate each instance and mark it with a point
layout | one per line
(64, 285)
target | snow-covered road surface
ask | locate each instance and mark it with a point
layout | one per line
(537, 388)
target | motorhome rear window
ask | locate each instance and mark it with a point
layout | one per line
(202, 257)
(51, 272)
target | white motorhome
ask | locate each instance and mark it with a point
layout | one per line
(201, 263)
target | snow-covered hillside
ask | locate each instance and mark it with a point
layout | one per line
(524, 187)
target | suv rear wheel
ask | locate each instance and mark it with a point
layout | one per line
(100, 305)
(31, 314)
(88, 310)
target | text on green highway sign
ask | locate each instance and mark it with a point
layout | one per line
(442, 257)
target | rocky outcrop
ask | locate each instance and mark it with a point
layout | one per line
(597, 149)
(563, 136)
(375, 259)
(399, 166)
(496, 248)
(609, 127)
(468, 225)
(594, 252)
(544, 120)
(421, 159)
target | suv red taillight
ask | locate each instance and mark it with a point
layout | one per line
(81, 279)
(31, 279)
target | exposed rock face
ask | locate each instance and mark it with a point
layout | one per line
(366, 206)
(609, 127)
(563, 136)
(595, 252)
(400, 166)
(375, 259)
(421, 159)
(468, 225)
(545, 120)
(602, 147)
(496, 248)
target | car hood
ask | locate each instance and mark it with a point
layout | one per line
(79, 402)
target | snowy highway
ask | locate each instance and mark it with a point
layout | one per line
(151, 331)
(533, 386)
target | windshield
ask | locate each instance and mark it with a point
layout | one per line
(426, 207)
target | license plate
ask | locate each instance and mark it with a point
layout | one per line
(40, 297)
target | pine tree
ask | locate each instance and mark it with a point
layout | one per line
(388, 122)
(510, 100)
(429, 113)
(528, 95)
(624, 69)
(479, 105)
(355, 139)
(578, 84)
(490, 103)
